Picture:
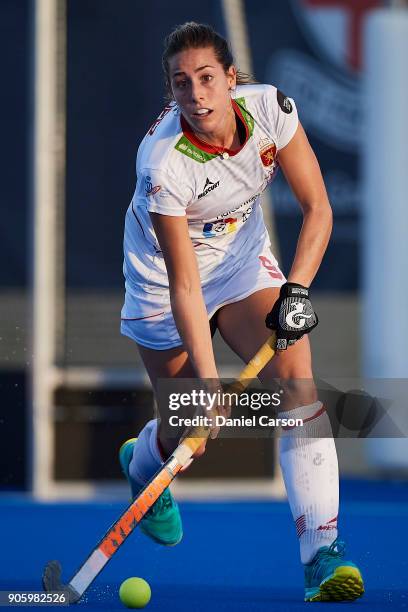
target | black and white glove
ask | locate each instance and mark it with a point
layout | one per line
(292, 315)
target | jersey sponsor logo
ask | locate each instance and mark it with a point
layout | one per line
(244, 211)
(209, 186)
(231, 225)
(284, 102)
(297, 311)
(187, 148)
(208, 230)
(222, 225)
(149, 189)
(246, 214)
(267, 151)
(226, 226)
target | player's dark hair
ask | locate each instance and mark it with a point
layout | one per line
(192, 35)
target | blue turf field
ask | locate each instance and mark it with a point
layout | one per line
(234, 556)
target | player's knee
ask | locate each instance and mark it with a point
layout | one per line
(294, 363)
(288, 369)
(293, 373)
(296, 382)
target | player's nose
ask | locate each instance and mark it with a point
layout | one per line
(196, 92)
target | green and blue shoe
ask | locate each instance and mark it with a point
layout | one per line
(328, 577)
(162, 523)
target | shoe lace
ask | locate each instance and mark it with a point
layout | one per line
(328, 553)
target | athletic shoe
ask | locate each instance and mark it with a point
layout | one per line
(162, 523)
(328, 577)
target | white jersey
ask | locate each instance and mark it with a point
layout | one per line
(178, 175)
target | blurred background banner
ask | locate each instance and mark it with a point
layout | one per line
(311, 49)
(109, 90)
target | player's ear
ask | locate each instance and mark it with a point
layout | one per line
(232, 77)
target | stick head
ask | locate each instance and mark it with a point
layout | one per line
(51, 580)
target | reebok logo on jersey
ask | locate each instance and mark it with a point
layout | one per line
(209, 186)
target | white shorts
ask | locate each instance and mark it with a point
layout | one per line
(155, 327)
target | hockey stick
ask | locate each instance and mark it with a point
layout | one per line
(134, 513)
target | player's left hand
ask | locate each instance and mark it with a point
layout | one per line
(292, 315)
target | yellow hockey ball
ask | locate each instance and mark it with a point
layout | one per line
(135, 593)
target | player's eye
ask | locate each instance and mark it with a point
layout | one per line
(207, 77)
(181, 84)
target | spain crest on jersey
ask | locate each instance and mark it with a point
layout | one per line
(267, 151)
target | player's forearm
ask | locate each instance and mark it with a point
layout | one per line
(312, 244)
(191, 319)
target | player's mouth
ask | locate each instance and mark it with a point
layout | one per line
(202, 113)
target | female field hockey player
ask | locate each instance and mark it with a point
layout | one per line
(197, 257)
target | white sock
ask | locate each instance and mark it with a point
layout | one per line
(310, 471)
(146, 458)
